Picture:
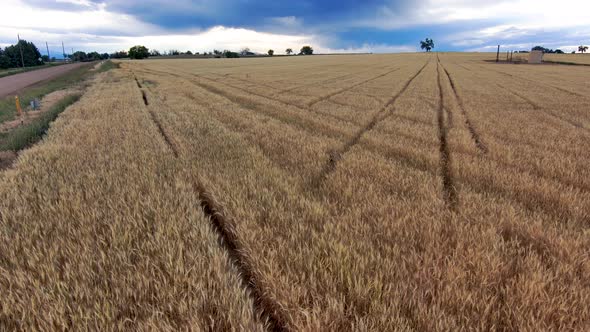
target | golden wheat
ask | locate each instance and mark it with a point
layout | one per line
(380, 192)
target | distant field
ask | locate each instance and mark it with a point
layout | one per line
(415, 192)
(569, 58)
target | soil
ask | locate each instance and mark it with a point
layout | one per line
(6, 159)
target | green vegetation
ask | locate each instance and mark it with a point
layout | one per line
(139, 52)
(547, 50)
(427, 44)
(14, 55)
(230, 54)
(7, 108)
(31, 133)
(306, 50)
(108, 65)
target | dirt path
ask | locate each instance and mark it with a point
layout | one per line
(11, 84)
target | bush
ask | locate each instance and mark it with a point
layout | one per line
(306, 50)
(139, 52)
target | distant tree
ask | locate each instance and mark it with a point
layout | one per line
(271, 52)
(104, 56)
(245, 51)
(427, 44)
(139, 52)
(119, 55)
(189, 53)
(155, 53)
(79, 56)
(217, 52)
(582, 48)
(545, 50)
(573, 52)
(30, 54)
(45, 58)
(173, 52)
(306, 50)
(230, 54)
(92, 56)
(4, 60)
(558, 51)
(289, 51)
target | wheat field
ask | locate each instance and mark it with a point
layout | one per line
(416, 192)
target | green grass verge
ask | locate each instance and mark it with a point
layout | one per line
(14, 71)
(108, 65)
(74, 77)
(31, 133)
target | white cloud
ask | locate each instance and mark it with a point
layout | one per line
(19, 15)
(370, 48)
(524, 14)
(94, 28)
(287, 21)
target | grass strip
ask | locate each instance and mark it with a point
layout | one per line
(31, 133)
(108, 65)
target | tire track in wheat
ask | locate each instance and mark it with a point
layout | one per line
(380, 115)
(276, 317)
(538, 107)
(348, 88)
(450, 194)
(481, 146)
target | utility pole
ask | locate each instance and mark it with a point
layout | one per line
(63, 50)
(48, 57)
(22, 59)
(498, 54)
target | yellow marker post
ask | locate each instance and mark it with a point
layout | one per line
(18, 109)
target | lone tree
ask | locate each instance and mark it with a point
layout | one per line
(289, 51)
(306, 50)
(427, 44)
(271, 52)
(582, 48)
(139, 52)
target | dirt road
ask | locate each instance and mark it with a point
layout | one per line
(11, 84)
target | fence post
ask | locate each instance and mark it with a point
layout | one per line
(18, 108)
(498, 54)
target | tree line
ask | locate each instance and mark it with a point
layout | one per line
(27, 53)
(10, 56)
(142, 52)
